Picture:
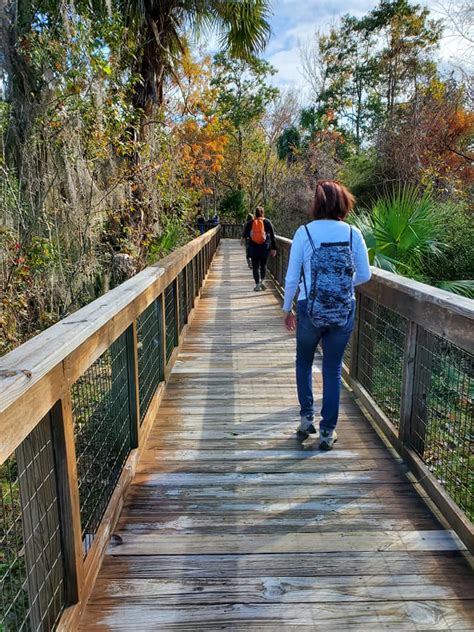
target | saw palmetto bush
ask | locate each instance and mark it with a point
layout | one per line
(403, 232)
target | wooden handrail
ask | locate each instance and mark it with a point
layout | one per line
(35, 375)
(447, 315)
(427, 316)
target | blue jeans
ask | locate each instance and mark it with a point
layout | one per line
(334, 341)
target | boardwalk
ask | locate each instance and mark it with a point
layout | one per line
(231, 524)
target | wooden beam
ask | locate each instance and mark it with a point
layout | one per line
(68, 494)
(133, 392)
(447, 315)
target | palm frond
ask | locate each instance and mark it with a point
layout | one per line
(463, 287)
(242, 26)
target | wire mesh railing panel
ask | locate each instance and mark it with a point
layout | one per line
(183, 308)
(347, 353)
(442, 431)
(171, 324)
(32, 594)
(382, 334)
(272, 263)
(101, 417)
(150, 357)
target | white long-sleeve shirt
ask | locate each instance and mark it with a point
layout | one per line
(322, 231)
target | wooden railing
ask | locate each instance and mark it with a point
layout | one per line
(411, 365)
(76, 405)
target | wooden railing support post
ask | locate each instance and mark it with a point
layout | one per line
(176, 310)
(133, 392)
(68, 494)
(162, 329)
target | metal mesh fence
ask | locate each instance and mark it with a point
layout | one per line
(150, 357)
(442, 415)
(347, 353)
(382, 335)
(171, 324)
(31, 564)
(231, 231)
(183, 308)
(272, 263)
(102, 433)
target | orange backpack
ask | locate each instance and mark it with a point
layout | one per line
(257, 234)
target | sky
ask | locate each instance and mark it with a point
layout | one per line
(296, 21)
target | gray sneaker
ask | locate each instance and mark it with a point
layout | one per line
(327, 439)
(257, 288)
(263, 286)
(305, 428)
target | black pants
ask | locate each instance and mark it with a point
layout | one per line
(259, 265)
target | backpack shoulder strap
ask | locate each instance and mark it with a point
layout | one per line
(350, 238)
(310, 238)
(302, 267)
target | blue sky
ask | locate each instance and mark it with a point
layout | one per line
(296, 21)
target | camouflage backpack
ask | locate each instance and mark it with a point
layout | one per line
(331, 290)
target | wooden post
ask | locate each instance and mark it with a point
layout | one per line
(176, 310)
(162, 329)
(68, 494)
(185, 295)
(133, 386)
(408, 381)
(201, 269)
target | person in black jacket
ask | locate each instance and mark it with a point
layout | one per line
(261, 242)
(249, 218)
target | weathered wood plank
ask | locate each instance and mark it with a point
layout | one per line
(327, 564)
(394, 615)
(157, 544)
(282, 589)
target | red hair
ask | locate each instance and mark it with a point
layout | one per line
(332, 200)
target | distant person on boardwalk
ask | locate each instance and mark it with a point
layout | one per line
(201, 224)
(215, 220)
(261, 236)
(249, 218)
(328, 259)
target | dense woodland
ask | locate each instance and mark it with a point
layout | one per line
(119, 128)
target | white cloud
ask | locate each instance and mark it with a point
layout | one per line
(296, 21)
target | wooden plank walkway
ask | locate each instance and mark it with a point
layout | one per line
(231, 524)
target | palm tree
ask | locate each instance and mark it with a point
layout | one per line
(402, 233)
(160, 25)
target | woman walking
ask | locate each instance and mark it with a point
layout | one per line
(261, 242)
(328, 259)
